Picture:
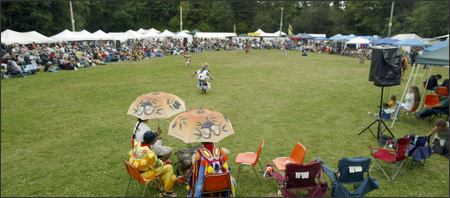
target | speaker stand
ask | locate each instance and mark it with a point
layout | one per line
(379, 121)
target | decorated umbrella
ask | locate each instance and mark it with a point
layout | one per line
(156, 105)
(200, 125)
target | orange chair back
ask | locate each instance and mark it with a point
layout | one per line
(431, 100)
(258, 152)
(134, 172)
(442, 91)
(217, 183)
(298, 153)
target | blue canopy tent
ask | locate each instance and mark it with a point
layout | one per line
(410, 42)
(320, 39)
(305, 36)
(436, 46)
(385, 41)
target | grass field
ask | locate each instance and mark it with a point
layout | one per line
(66, 133)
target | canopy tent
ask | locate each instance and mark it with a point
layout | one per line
(410, 42)
(318, 35)
(217, 35)
(385, 41)
(183, 35)
(167, 33)
(358, 40)
(434, 55)
(144, 31)
(260, 33)
(86, 36)
(320, 39)
(120, 36)
(337, 37)
(278, 33)
(406, 36)
(305, 36)
(151, 35)
(66, 35)
(100, 35)
(130, 34)
(9, 37)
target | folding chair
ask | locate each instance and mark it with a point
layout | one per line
(250, 159)
(136, 175)
(297, 156)
(431, 100)
(301, 177)
(394, 157)
(353, 171)
(441, 91)
(217, 184)
(419, 149)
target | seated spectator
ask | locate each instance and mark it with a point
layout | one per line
(14, 69)
(440, 143)
(445, 83)
(441, 108)
(148, 163)
(208, 159)
(432, 82)
(412, 99)
(140, 128)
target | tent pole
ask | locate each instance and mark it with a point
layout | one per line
(403, 96)
(414, 80)
(425, 91)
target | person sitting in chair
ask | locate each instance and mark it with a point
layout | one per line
(147, 162)
(208, 159)
(441, 108)
(441, 133)
(412, 99)
(139, 129)
(432, 82)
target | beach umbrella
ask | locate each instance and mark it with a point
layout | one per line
(200, 125)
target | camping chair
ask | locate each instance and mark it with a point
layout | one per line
(441, 91)
(250, 159)
(297, 156)
(217, 183)
(394, 157)
(353, 171)
(301, 177)
(419, 149)
(431, 100)
(135, 174)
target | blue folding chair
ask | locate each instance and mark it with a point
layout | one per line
(352, 171)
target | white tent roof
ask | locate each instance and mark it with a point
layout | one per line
(86, 36)
(406, 36)
(9, 37)
(183, 35)
(66, 35)
(219, 35)
(121, 36)
(260, 31)
(151, 34)
(130, 34)
(278, 33)
(167, 33)
(100, 35)
(144, 31)
(358, 40)
(318, 35)
(154, 30)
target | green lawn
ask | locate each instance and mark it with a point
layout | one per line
(66, 133)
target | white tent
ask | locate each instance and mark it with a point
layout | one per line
(66, 35)
(154, 30)
(86, 36)
(151, 35)
(121, 36)
(217, 35)
(141, 31)
(130, 34)
(182, 35)
(9, 37)
(100, 35)
(406, 36)
(358, 41)
(318, 35)
(278, 33)
(144, 31)
(167, 33)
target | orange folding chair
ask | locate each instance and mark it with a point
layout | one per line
(441, 91)
(136, 175)
(297, 156)
(217, 183)
(250, 159)
(431, 100)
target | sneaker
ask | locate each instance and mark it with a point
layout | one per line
(169, 194)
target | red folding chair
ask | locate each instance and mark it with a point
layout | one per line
(301, 177)
(441, 91)
(217, 184)
(431, 100)
(396, 158)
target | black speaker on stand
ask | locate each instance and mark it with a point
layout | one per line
(385, 71)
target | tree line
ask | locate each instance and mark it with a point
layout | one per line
(425, 18)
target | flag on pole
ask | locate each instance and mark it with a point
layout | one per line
(290, 31)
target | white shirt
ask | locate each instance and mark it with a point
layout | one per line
(140, 130)
(202, 75)
(409, 103)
